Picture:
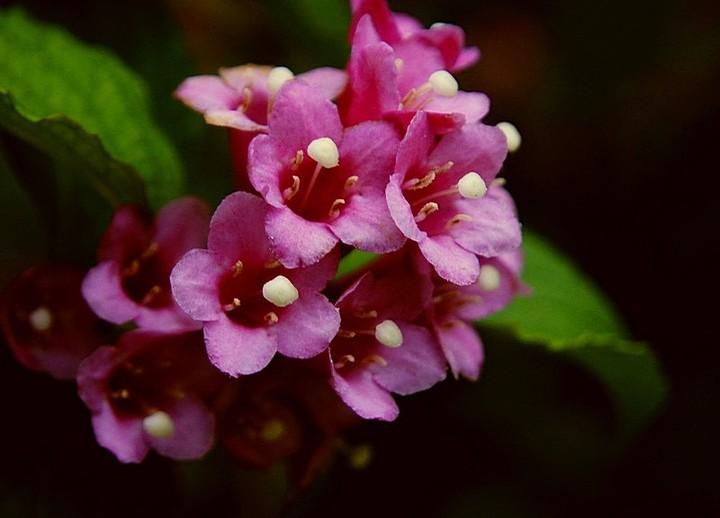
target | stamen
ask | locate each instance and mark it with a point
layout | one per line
(131, 270)
(149, 251)
(443, 83)
(389, 334)
(151, 295)
(419, 183)
(399, 64)
(376, 359)
(346, 334)
(448, 295)
(360, 456)
(489, 278)
(367, 314)
(120, 394)
(297, 160)
(272, 264)
(41, 319)
(325, 152)
(344, 360)
(271, 318)
(334, 211)
(472, 186)
(237, 268)
(273, 430)
(498, 182)
(277, 77)
(350, 182)
(280, 291)
(233, 305)
(427, 209)
(291, 192)
(246, 99)
(159, 425)
(457, 218)
(512, 135)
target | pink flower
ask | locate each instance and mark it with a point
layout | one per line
(47, 323)
(287, 413)
(241, 98)
(149, 392)
(379, 350)
(137, 254)
(442, 46)
(250, 305)
(454, 307)
(397, 81)
(323, 184)
(442, 196)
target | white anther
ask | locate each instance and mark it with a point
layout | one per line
(325, 152)
(512, 135)
(489, 279)
(389, 334)
(443, 83)
(41, 319)
(159, 425)
(472, 186)
(277, 77)
(280, 291)
(438, 25)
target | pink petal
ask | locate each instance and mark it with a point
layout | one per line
(414, 366)
(467, 58)
(181, 225)
(296, 241)
(253, 77)
(380, 15)
(91, 376)
(400, 210)
(330, 82)
(366, 398)
(315, 277)
(193, 433)
(302, 114)
(129, 232)
(123, 437)
(194, 282)
(236, 229)
(473, 106)
(415, 147)
(267, 160)
(236, 119)
(105, 296)
(235, 349)
(169, 319)
(307, 326)
(406, 24)
(494, 228)
(462, 347)
(204, 93)
(490, 301)
(475, 147)
(451, 262)
(420, 59)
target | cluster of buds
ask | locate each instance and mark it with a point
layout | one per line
(236, 327)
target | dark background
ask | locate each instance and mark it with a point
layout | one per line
(618, 105)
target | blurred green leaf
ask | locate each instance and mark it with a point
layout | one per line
(81, 106)
(354, 261)
(568, 314)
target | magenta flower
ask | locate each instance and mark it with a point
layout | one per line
(442, 196)
(378, 350)
(149, 392)
(453, 307)
(47, 323)
(250, 305)
(132, 281)
(323, 184)
(241, 98)
(397, 81)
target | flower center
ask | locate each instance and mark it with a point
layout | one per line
(145, 279)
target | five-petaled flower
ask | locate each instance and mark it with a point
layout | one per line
(324, 184)
(137, 254)
(250, 305)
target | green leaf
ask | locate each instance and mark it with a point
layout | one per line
(81, 106)
(566, 313)
(354, 261)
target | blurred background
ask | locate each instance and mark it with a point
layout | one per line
(618, 104)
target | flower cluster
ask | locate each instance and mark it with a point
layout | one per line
(240, 327)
